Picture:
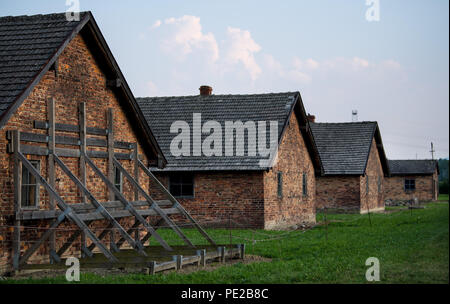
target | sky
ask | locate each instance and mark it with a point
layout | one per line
(394, 70)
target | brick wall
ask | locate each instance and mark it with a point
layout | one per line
(373, 198)
(340, 192)
(292, 161)
(79, 79)
(221, 195)
(395, 188)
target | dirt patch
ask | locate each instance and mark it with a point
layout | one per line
(42, 274)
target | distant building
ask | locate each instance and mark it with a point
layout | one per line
(411, 179)
(354, 166)
(215, 189)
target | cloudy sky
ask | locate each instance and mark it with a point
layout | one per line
(394, 71)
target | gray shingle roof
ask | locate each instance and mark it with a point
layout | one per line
(29, 45)
(344, 147)
(161, 112)
(413, 167)
(26, 44)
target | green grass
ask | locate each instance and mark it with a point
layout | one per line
(443, 197)
(412, 247)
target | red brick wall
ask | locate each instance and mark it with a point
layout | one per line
(79, 79)
(293, 160)
(395, 188)
(372, 200)
(221, 195)
(338, 192)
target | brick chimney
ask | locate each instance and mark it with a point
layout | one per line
(311, 118)
(205, 90)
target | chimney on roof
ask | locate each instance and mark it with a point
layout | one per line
(205, 90)
(311, 118)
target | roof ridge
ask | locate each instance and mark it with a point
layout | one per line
(45, 16)
(219, 95)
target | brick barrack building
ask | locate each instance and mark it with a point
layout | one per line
(354, 164)
(217, 189)
(74, 147)
(410, 179)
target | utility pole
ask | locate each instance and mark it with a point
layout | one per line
(432, 151)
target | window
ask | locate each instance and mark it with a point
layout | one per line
(379, 184)
(118, 180)
(367, 184)
(305, 184)
(280, 184)
(182, 185)
(410, 184)
(30, 187)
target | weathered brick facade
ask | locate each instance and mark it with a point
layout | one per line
(250, 198)
(78, 79)
(351, 192)
(426, 188)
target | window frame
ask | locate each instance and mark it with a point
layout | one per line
(37, 165)
(120, 188)
(305, 184)
(280, 184)
(409, 189)
(171, 183)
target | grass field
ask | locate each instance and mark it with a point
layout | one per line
(412, 247)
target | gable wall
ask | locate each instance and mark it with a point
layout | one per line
(293, 160)
(79, 79)
(372, 200)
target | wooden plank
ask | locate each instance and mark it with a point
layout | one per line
(127, 205)
(52, 214)
(102, 210)
(153, 204)
(110, 138)
(82, 122)
(176, 204)
(73, 141)
(64, 152)
(51, 163)
(17, 198)
(69, 128)
(68, 212)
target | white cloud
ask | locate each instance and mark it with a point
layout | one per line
(241, 49)
(156, 24)
(186, 36)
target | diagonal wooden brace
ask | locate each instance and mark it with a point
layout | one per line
(69, 213)
(176, 204)
(102, 210)
(153, 204)
(127, 204)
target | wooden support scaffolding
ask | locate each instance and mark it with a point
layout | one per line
(89, 208)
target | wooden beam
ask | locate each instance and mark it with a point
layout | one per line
(73, 141)
(176, 204)
(129, 207)
(50, 162)
(154, 205)
(38, 124)
(63, 152)
(17, 198)
(68, 212)
(82, 163)
(110, 138)
(102, 210)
